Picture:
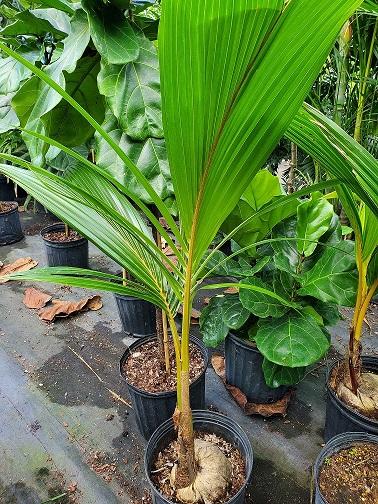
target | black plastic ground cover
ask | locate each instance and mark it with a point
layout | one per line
(244, 371)
(73, 253)
(10, 226)
(138, 317)
(152, 409)
(340, 417)
(205, 421)
(334, 445)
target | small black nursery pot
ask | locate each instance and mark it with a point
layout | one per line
(244, 371)
(10, 226)
(341, 417)
(138, 317)
(206, 421)
(152, 409)
(337, 443)
(65, 253)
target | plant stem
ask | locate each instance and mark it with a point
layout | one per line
(66, 231)
(363, 84)
(161, 324)
(186, 470)
(293, 167)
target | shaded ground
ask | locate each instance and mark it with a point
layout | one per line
(62, 433)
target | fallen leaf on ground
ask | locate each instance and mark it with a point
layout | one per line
(66, 308)
(265, 410)
(23, 264)
(34, 298)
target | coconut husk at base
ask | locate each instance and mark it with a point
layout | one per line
(366, 400)
(249, 408)
(214, 473)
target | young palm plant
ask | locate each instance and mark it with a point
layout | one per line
(234, 74)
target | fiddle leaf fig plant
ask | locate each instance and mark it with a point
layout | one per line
(285, 307)
(226, 102)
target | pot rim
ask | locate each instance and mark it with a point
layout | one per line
(244, 343)
(60, 226)
(197, 414)
(12, 210)
(339, 402)
(348, 438)
(146, 339)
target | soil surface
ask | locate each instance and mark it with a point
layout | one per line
(143, 368)
(169, 456)
(60, 236)
(6, 206)
(351, 475)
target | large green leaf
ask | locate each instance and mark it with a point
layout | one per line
(263, 188)
(259, 303)
(286, 257)
(294, 340)
(111, 33)
(35, 98)
(276, 375)
(213, 328)
(64, 123)
(251, 64)
(333, 279)
(313, 220)
(149, 156)
(38, 22)
(133, 93)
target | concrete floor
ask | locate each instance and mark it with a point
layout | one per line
(61, 430)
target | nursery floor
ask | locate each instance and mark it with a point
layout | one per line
(61, 432)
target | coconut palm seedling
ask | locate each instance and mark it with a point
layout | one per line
(234, 74)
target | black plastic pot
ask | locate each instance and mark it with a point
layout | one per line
(138, 317)
(6, 189)
(207, 421)
(73, 253)
(342, 418)
(10, 226)
(337, 443)
(244, 371)
(152, 409)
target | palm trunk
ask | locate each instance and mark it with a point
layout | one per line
(364, 294)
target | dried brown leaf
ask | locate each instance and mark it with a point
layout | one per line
(22, 264)
(34, 298)
(66, 308)
(265, 410)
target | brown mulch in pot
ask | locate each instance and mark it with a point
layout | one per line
(7, 206)
(143, 368)
(60, 236)
(350, 476)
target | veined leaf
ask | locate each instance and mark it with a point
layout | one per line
(133, 93)
(149, 156)
(36, 98)
(294, 340)
(313, 219)
(259, 302)
(333, 279)
(38, 22)
(276, 375)
(213, 328)
(64, 123)
(111, 33)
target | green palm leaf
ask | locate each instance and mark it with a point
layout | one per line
(245, 69)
